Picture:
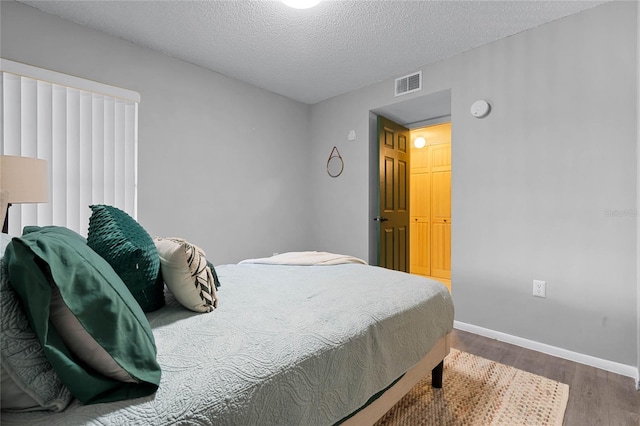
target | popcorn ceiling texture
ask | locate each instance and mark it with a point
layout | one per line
(312, 55)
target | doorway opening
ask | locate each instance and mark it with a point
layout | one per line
(416, 114)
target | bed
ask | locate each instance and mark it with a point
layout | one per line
(312, 343)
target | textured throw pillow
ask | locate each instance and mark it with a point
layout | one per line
(90, 327)
(186, 274)
(216, 281)
(28, 380)
(130, 250)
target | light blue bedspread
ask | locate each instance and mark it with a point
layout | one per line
(288, 345)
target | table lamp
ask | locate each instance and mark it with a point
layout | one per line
(22, 180)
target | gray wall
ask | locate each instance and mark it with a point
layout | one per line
(543, 188)
(215, 154)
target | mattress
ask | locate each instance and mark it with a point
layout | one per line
(286, 345)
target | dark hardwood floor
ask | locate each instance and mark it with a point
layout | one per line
(596, 397)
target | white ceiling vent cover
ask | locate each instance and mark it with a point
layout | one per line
(409, 83)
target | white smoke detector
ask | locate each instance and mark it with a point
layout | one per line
(480, 108)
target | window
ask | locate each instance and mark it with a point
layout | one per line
(86, 131)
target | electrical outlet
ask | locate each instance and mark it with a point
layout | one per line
(539, 288)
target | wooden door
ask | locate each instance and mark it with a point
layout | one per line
(393, 213)
(420, 212)
(430, 213)
(441, 210)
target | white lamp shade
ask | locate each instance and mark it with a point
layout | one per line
(24, 179)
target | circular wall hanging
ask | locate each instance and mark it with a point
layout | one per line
(335, 165)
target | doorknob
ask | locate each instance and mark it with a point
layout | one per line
(380, 219)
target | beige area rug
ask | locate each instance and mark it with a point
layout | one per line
(477, 391)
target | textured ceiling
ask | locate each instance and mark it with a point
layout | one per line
(311, 55)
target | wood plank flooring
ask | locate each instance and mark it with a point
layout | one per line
(596, 397)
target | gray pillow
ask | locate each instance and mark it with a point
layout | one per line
(29, 382)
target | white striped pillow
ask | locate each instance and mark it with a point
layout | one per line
(186, 273)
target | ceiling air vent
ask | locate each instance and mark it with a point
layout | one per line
(409, 83)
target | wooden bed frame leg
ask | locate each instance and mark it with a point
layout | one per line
(436, 375)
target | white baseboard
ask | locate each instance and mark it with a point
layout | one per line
(603, 364)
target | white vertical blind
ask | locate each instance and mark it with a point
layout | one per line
(88, 136)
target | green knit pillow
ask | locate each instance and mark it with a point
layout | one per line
(130, 251)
